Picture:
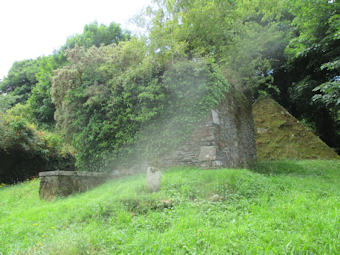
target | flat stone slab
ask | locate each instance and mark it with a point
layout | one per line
(55, 184)
(77, 173)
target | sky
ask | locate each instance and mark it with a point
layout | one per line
(32, 28)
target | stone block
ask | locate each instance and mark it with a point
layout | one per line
(153, 179)
(63, 183)
(215, 118)
(207, 153)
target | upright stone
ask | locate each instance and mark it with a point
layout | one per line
(153, 179)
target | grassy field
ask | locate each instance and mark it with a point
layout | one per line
(282, 207)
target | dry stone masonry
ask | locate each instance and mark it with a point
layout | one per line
(55, 184)
(225, 139)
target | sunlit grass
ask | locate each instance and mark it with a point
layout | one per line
(279, 207)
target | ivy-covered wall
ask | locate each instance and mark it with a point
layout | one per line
(120, 105)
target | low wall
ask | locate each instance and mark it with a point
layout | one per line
(63, 183)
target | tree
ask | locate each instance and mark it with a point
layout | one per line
(97, 35)
(31, 79)
(247, 38)
(313, 87)
(21, 79)
(40, 99)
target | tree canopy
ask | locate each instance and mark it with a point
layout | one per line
(312, 86)
(107, 89)
(30, 80)
(97, 35)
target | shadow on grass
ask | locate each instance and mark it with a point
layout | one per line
(286, 167)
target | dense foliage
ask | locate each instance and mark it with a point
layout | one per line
(108, 90)
(110, 97)
(24, 151)
(311, 90)
(246, 38)
(20, 79)
(97, 35)
(29, 81)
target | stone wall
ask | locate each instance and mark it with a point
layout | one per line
(63, 183)
(225, 139)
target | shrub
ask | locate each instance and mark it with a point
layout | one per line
(24, 151)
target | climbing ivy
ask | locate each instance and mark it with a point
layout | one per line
(120, 102)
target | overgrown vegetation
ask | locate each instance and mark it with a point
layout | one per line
(24, 151)
(288, 49)
(278, 207)
(110, 97)
(27, 110)
(106, 90)
(29, 81)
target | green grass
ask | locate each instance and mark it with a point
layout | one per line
(283, 207)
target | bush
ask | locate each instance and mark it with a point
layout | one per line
(24, 151)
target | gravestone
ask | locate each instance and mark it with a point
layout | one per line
(153, 179)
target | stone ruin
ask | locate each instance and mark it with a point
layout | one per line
(224, 139)
(55, 184)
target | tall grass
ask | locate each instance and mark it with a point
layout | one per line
(283, 207)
